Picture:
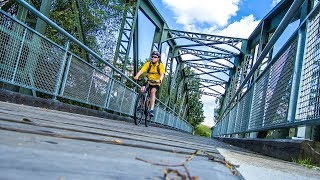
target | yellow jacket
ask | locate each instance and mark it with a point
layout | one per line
(153, 73)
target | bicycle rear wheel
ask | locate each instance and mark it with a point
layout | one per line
(139, 109)
(147, 114)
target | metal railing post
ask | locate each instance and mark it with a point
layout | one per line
(65, 77)
(61, 71)
(297, 68)
(19, 55)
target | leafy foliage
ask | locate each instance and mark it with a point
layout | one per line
(195, 116)
(102, 21)
(94, 22)
(203, 130)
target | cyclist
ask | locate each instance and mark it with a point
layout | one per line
(155, 74)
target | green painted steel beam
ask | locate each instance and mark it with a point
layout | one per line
(209, 81)
(204, 53)
(152, 13)
(44, 9)
(136, 48)
(205, 66)
(207, 93)
(275, 15)
(206, 37)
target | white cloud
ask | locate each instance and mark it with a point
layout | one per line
(275, 2)
(242, 28)
(212, 12)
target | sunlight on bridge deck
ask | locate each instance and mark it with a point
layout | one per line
(46, 144)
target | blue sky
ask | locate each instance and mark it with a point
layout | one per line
(235, 18)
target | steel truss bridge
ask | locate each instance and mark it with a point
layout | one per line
(259, 89)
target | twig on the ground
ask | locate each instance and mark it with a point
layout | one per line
(187, 171)
(168, 171)
(313, 149)
(192, 156)
(188, 176)
(224, 162)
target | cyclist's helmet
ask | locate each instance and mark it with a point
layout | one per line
(156, 53)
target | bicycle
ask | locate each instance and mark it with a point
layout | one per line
(142, 106)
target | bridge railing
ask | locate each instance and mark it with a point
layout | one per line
(269, 103)
(28, 59)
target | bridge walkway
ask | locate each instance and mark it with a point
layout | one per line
(39, 143)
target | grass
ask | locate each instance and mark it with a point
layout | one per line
(304, 162)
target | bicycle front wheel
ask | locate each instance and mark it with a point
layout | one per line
(139, 109)
(147, 114)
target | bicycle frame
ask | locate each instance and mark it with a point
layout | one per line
(142, 109)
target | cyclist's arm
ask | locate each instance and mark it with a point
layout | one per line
(143, 69)
(162, 71)
(161, 78)
(138, 75)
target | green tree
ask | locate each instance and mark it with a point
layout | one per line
(202, 130)
(195, 114)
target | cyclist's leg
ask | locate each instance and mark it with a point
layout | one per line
(153, 90)
(143, 88)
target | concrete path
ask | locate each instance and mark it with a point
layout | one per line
(46, 144)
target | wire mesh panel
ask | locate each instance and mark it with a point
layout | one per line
(179, 123)
(239, 115)
(166, 118)
(40, 63)
(189, 128)
(157, 114)
(232, 119)
(259, 96)
(183, 125)
(219, 129)
(170, 123)
(279, 87)
(116, 95)
(245, 115)
(79, 80)
(309, 95)
(225, 122)
(11, 41)
(127, 104)
(175, 121)
(27, 59)
(98, 89)
(174, 124)
(215, 131)
(161, 116)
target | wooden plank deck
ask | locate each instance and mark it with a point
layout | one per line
(39, 143)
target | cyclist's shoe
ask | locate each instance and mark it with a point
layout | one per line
(151, 113)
